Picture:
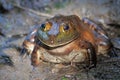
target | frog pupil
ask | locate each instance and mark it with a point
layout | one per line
(66, 27)
(43, 26)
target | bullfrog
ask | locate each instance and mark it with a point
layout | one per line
(66, 39)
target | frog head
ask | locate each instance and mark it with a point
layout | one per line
(57, 31)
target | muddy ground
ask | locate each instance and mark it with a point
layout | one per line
(16, 23)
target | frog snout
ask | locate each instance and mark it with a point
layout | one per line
(52, 35)
(53, 32)
(54, 29)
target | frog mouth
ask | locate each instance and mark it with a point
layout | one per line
(52, 44)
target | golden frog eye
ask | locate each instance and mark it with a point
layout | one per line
(64, 27)
(47, 26)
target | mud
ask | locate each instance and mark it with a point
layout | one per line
(15, 25)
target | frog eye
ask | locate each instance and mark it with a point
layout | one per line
(64, 28)
(46, 26)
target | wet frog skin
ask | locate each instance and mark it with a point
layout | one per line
(66, 39)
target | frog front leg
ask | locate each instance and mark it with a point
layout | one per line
(90, 54)
(27, 48)
(36, 56)
(29, 43)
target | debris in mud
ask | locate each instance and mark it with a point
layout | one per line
(20, 21)
(1, 33)
(116, 42)
(5, 60)
(2, 9)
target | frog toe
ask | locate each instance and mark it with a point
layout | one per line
(23, 52)
(91, 58)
